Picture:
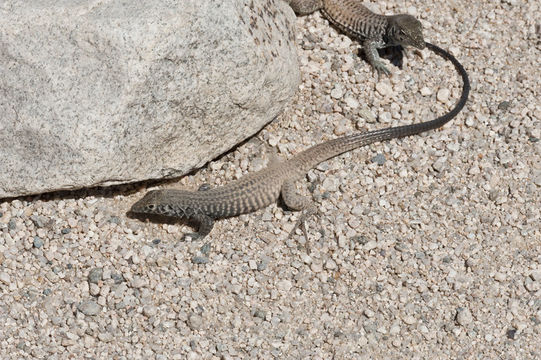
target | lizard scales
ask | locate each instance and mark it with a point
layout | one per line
(260, 189)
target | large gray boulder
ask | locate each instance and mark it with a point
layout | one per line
(107, 92)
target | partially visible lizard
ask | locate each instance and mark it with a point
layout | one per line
(260, 189)
(372, 30)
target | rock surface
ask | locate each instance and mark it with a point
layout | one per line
(108, 92)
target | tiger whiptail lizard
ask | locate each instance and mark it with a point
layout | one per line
(260, 189)
(374, 31)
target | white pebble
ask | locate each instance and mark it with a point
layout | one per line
(426, 91)
(284, 285)
(464, 316)
(408, 319)
(337, 92)
(352, 102)
(330, 264)
(384, 89)
(443, 95)
(5, 278)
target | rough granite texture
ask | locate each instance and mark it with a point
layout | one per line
(108, 92)
(427, 247)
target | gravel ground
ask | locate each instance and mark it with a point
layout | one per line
(425, 247)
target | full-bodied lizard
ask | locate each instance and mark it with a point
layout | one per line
(372, 30)
(260, 189)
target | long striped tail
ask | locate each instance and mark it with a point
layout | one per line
(329, 149)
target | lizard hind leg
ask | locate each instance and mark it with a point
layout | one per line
(299, 203)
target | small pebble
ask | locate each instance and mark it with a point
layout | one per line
(352, 102)
(531, 285)
(369, 313)
(511, 334)
(464, 316)
(426, 91)
(205, 249)
(150, 310)
(385, 117)
(504, 105)
(384, 89)
(38, 242)
(95, 275)
(252, 264)
(284, 285)
(331, 184)
(367, 115)
(379, 159)
(12, 224)
(443, 95)
(195, 322)
(262, 265)
(114, 220)
(410, 320)
(337, 92)
(330, 264)
(200, 260)
(118, 278)
(89, 308)
(316, 267)
(439, 165)
(260, 314)
(39, 221)
(5, 278)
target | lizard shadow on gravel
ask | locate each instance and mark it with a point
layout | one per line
(395, 54)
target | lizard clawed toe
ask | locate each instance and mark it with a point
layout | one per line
(301, 222)
(194, 236)
(381, 68)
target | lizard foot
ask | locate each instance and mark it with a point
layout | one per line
(194, 236)
(381, 68)
(301, 223)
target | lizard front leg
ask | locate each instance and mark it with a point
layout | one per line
(371, 52)
(206, 223)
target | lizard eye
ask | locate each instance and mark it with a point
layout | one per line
(151, 207)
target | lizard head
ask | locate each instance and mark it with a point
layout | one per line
(166, 202)
(149, 204)
(407, 30)
(156, 202)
